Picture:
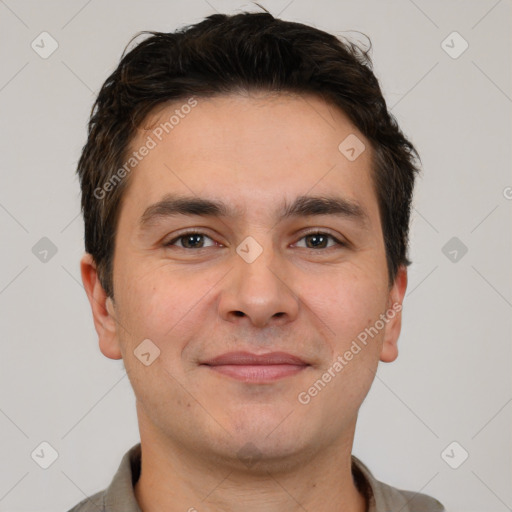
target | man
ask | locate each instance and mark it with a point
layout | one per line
(246, 197)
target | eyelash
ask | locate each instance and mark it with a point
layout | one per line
(194, 232)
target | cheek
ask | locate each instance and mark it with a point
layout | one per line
(347, 302)
(163, 304)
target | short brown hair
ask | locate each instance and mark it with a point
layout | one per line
(224, 54)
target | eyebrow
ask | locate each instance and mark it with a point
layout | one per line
(303, 206)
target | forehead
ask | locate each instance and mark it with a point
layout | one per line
(250, 150)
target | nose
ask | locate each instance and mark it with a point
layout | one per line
(258, 293)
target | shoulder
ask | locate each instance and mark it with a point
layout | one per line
(94, 503)
(412, 501)
(383, 497)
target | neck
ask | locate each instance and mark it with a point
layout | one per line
(172, 479)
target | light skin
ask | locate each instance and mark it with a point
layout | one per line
(307, 296)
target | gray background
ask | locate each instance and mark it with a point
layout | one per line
(451, 381)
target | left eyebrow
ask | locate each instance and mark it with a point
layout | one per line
(302, 206)
(309, 206)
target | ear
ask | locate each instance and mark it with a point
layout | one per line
(102, 309)
(389, 350)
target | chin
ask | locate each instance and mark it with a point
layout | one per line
(271, 441)
(260, 455)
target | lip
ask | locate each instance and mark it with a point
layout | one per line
(246, 358)
(249, 367)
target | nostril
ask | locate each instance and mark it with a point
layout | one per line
(239, 313)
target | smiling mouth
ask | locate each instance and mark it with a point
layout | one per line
(256, 368)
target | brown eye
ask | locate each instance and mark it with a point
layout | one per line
(320, 241)
(191, 240)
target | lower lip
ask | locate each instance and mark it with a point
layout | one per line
(258, 373)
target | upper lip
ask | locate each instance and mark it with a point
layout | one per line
(248, 359)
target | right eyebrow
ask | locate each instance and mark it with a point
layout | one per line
(172, 205)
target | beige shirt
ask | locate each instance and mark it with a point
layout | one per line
(119, 496)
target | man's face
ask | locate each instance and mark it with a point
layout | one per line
(283, 289)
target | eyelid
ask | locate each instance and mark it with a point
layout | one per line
(320, 231)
